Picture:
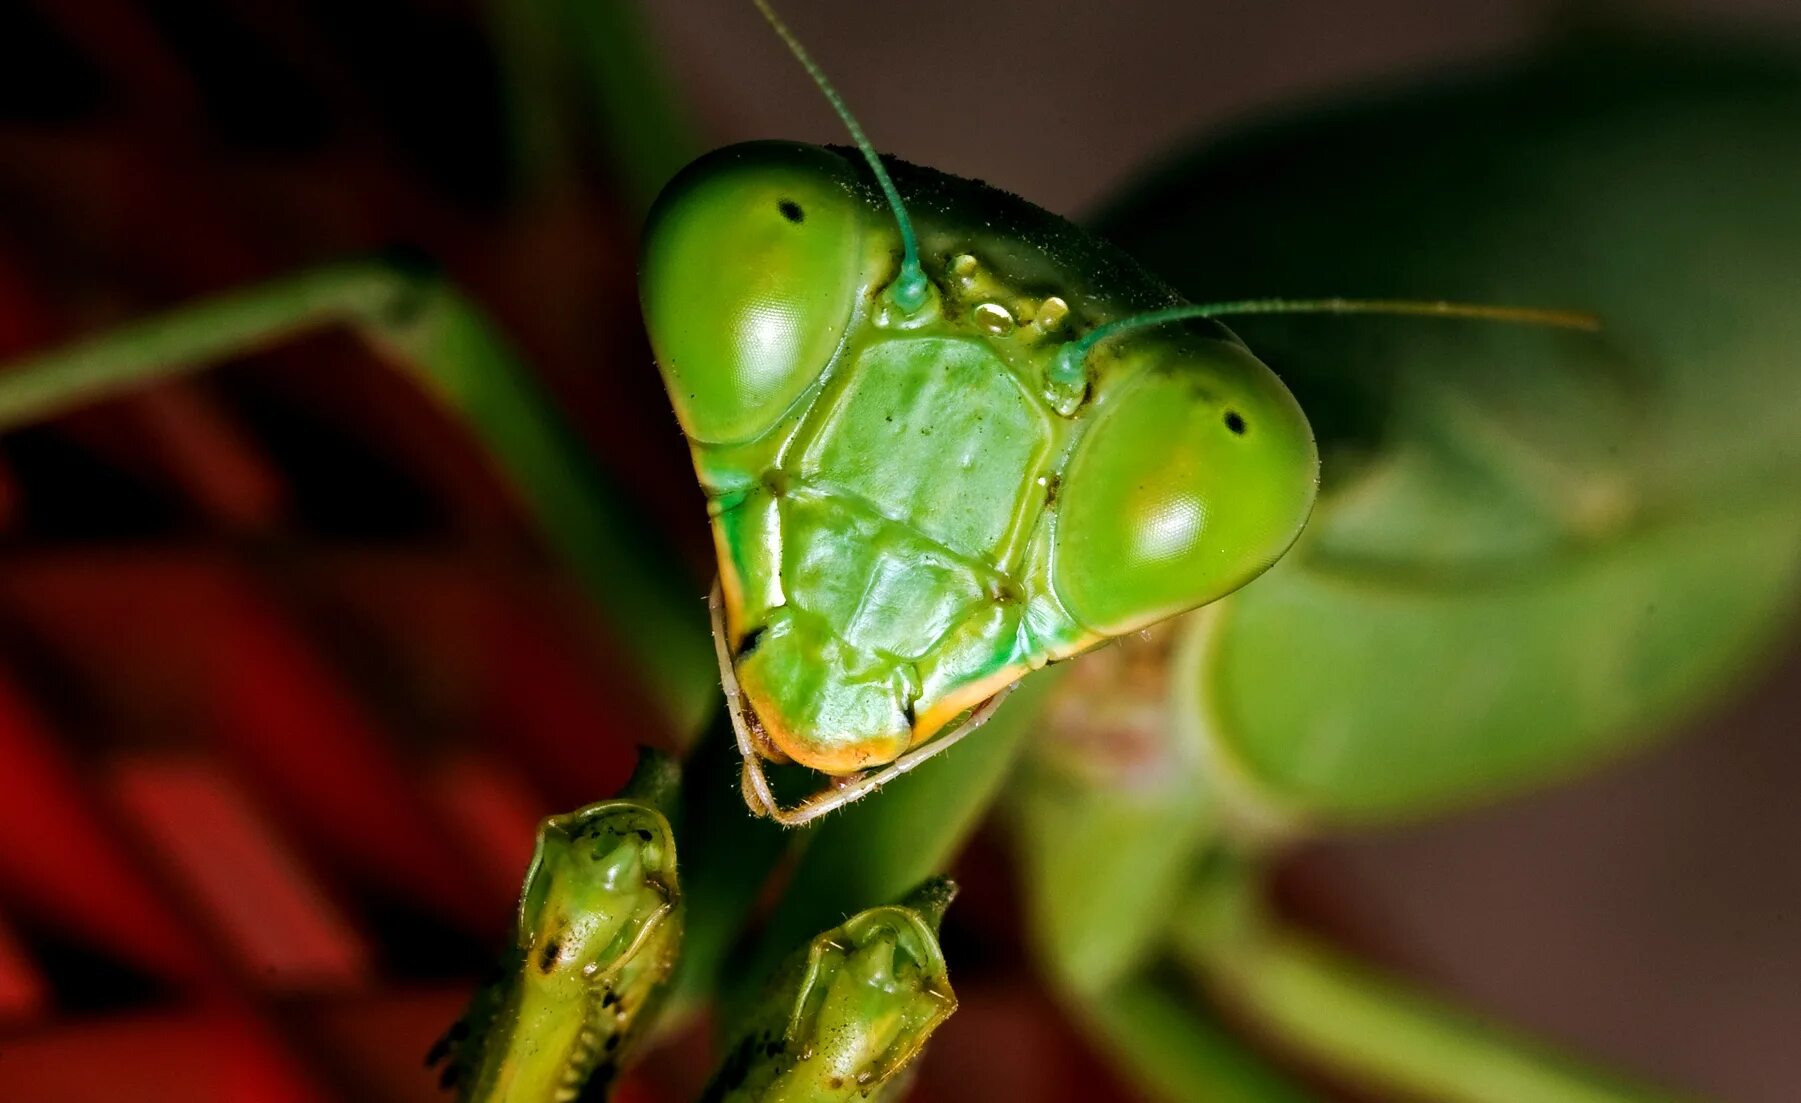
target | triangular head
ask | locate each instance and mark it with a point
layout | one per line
(916, 505)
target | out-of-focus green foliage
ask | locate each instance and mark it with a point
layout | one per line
(1369, 1028)
(1532, 548)
(1111, 808)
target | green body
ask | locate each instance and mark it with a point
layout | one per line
(1532, 549)
(913, 509)
(846, 1016)
(598, 932)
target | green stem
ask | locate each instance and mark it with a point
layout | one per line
(640, 119)
(453, 351)
(727, 855)
(880, 847)
(867, 854)
(1174, 1051)
(588, 71)
(1354, 1022)
(530, 47)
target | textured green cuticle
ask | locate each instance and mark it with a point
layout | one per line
(845, 1017)
(890, 536)
(598, 931)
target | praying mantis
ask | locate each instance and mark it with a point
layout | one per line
(1241, 779)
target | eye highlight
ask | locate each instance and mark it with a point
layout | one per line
(748, 283)
(1161, 511)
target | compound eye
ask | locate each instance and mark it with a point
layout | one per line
(748, 283)
(1195, 477)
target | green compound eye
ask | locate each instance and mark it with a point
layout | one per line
(1196, 476)
(748, 283)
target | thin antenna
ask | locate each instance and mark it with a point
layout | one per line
(909, 290)
(1069, 370)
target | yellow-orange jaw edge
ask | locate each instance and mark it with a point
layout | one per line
(845, 790)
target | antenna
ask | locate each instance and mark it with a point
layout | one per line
(1069, 370)
(909, 288)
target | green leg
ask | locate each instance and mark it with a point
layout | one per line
(1175, 1051)
(1366, 1028)
(876, 849)
(452, 350)
(865, 855)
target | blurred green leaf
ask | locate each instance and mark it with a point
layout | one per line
(1175, 1051)
(1373, 1031)
(1532, 548)
(1110, 811)
(1332, 695)
(586, 75)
